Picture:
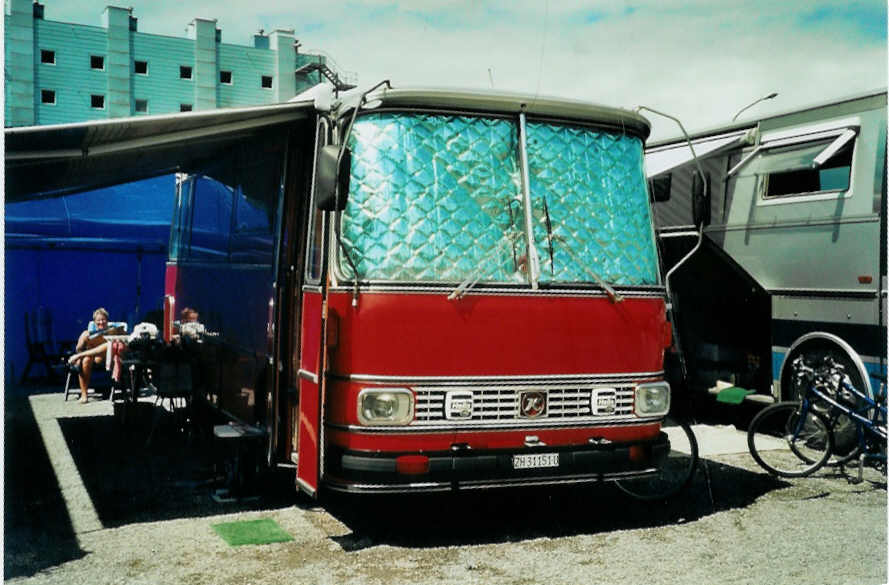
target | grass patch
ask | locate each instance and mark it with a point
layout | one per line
(262, 531)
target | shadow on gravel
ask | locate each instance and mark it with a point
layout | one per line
(434, 520)
(173, 477)
(37, 529)
(127, 482)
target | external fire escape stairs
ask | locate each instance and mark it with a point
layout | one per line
(329, 73)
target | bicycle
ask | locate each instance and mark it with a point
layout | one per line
(796, 438)
(677, 470)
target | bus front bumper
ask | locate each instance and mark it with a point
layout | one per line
(363, 472)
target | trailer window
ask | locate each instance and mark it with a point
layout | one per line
(590, 206)
(434, 198)
(810, 167)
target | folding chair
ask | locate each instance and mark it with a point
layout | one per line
(93, 390)
(104, 372)
(41, 348)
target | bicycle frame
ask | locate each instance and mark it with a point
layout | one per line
(870, 424)
(870, 429)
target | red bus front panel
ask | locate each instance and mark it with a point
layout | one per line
(425, 334)
(492, 354)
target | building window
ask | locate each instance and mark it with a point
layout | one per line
(97, 101)
(267, 81)
(48, 96)
(140, 67)
(48, 57)
(97, 62)
(141, 106)
(184, 72)
(184, 107)
(225, 77)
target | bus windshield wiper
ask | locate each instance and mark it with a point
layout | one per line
(475, 275)
(613, 295)
(515, 259)
(549, 237)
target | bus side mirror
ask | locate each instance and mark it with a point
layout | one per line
(332, 178)
(660, 187)
(700, 199)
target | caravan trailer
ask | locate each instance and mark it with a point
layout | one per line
(789, 245)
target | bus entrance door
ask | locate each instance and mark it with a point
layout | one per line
(311, 373)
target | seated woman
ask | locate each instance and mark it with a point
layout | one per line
(91, 350)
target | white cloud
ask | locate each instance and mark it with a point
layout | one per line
(701, 60)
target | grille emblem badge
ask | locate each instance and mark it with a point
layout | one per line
(603, 401)
(458, 405)
(532, 404)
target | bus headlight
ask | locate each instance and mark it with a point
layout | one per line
(385, 406)
(652, 399)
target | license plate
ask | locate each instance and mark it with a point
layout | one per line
(535, 461)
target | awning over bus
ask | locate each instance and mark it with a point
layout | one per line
(47, 161)
(665, 159)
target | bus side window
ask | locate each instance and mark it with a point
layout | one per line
(252, 240)
(315, 243)
(211, 223)
(315, 246)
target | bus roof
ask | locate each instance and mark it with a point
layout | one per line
(492, 101)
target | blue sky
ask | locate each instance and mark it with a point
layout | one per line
(699, 60)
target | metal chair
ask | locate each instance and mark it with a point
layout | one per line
(103, 374)
(41, 347)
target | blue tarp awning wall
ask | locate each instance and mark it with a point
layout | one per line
(99, 246)
(131, 215)
(68, 255)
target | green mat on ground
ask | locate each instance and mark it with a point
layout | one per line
(262, 531)
(733, 395)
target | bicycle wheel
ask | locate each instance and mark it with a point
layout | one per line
(677, 470)
(785, 444)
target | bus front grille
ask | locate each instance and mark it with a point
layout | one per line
(503, 404)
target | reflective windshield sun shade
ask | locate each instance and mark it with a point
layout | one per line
(434, 198)
(593, 185)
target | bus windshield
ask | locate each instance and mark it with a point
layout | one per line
(439, 198)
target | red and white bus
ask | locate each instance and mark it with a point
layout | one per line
(411, 289)
(464, 286)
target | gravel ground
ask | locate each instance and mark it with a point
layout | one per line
(87, 502)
